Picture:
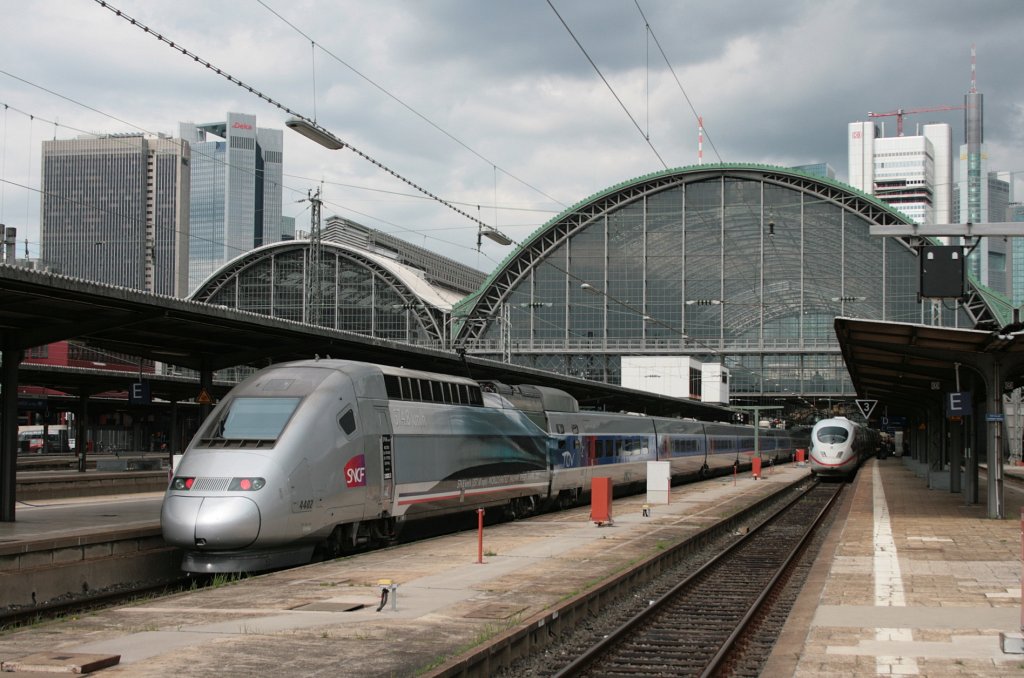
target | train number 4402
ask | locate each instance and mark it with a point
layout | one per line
(304, 505)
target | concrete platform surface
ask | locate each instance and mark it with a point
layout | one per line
(321, 619)
(916, 583)
(910, 582)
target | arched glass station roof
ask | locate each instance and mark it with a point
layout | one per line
(360, 291)
(745, 264)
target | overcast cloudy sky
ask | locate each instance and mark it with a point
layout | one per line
(493, 103)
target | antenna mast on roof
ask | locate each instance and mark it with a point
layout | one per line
(974, 73)
(700, 139)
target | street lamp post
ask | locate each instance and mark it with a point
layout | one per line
(505, 325)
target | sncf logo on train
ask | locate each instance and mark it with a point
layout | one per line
(355, 472)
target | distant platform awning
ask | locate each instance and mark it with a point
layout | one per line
(905, 363)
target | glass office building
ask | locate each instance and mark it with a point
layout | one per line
(115, 209)
(236, 191)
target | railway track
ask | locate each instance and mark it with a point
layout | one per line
(701, 626)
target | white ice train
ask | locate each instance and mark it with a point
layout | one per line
(335, 454)
(839, 446)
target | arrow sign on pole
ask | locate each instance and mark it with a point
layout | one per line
(866, 407)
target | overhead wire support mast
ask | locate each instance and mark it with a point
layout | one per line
(314, 272)
(310, 128)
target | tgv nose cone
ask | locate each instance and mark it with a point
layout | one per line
(214, 523)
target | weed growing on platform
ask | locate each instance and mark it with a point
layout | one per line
(488, 631)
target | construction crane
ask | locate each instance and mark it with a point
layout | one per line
(900, 112)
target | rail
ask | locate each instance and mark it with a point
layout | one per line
(716, 603)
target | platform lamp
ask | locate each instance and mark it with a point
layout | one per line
(315, 132)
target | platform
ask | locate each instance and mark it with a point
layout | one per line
(915, 583)
(911, 581)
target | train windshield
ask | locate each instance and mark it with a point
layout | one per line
(832, 434)
(257, 418)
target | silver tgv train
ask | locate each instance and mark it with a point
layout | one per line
(839, 446)
(335, 454)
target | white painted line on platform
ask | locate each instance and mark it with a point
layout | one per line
(889, 590)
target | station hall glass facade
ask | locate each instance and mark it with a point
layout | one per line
(360, 292)
(743, 264)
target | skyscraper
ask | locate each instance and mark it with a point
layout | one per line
(115, 208)
(911, 173)
(982, 196)
(236, 191)
(972, 177)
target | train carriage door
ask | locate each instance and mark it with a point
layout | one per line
(386, 456)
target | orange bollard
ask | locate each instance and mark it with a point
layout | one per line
(755, 467)
(601, 501)
(800, 456)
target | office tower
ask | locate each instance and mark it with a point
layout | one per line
(911, 173)
(982, 196)
(115, 209)
(236, 191)
(1015, 212)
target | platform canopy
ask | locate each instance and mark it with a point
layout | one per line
(903, 362)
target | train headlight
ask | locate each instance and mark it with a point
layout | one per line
(246, 484)
(183, 484)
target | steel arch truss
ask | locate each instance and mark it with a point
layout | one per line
(547, 240)
(430, 318)
(496, 291)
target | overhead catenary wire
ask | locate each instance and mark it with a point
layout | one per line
(608, 85)
(284, 108)
(195, 57)
(408, 107)
(682, 89)
(36, 118)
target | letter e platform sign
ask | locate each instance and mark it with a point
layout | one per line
(138, 394)
(958, 404)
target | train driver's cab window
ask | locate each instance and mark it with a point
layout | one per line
(832, 434)
(256, 418)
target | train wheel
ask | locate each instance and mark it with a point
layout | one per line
(385, 530)
(332, 547)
